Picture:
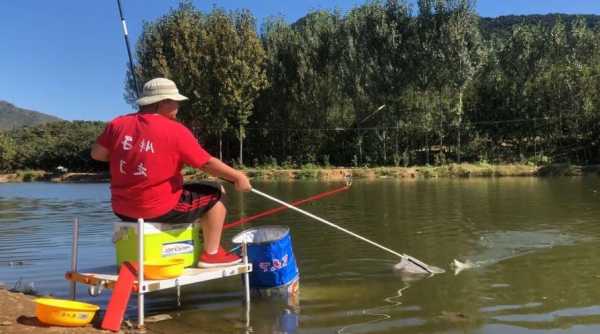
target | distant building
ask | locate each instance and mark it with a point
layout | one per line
(61, 169)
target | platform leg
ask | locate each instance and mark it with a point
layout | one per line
(140, 273)
(246, 275)
(246, 283)
(73, 284)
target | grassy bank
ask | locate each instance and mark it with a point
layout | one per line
(417, 172)
(339, 173)
(44, 176)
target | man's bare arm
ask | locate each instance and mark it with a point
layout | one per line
(216, 167)
(100, 152)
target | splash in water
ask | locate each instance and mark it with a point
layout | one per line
(498, 246)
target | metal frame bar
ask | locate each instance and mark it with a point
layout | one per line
(246, 275)
(189, 276)
(141, 288)
(74, 246)
(246, 282)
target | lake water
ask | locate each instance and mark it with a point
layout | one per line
(533, 243)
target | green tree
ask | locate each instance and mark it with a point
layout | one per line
(247, 75)
(305, 96)
(372, 63)
(8, 152)
(172, 47)
(216, 60)
(493, 89)
(50, 145)
(277, 103)
(234, 71)
(463, 54)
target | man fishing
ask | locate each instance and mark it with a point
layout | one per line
(146, 151)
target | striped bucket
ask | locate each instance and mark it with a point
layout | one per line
(274, 269)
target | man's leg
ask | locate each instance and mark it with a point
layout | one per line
(212, 227)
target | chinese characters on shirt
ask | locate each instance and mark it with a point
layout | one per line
(145, 146)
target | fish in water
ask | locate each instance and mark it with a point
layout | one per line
(410, 268)
(498, 246)
(460, 266)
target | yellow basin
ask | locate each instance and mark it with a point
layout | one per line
(163, 268)
(61, 312)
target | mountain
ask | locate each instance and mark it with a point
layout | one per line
(502, 26)
(12, 117)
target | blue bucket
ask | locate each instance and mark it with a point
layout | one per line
(272, 257)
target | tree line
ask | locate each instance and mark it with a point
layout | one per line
(50, 145)
(382, 84)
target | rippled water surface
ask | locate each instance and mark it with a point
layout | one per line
(533, 244)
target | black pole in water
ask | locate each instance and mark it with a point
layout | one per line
(137, 88)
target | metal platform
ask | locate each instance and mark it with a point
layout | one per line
(106, 277)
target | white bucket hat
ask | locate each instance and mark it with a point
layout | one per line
(159, 89)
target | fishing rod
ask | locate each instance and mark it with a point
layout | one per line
(306, 213)
(270, 212)
(414, 261)
(126, 35)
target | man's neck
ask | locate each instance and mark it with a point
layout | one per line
(151, 109)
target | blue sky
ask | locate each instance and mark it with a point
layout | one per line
(67, 57)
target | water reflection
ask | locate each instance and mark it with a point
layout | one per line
(274, 316)
(380, 313)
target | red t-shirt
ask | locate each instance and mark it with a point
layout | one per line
(147, 152)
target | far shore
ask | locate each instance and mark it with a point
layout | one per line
(339, 173)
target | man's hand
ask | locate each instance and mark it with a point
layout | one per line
(242, 183)
(216, 167)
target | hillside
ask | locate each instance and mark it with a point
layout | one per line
(502, 26)
(12, 117)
